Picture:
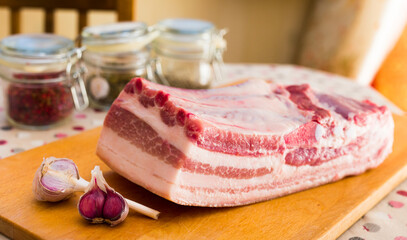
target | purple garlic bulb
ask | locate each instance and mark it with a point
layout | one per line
(101, 203)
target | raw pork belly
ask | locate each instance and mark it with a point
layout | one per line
(240, 144)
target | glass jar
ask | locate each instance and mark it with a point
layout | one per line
(114, 54)
(40, 83)
(188, 53)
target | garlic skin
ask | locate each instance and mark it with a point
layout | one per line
(101, 203)
(56, 179)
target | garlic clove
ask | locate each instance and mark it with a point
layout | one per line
(56, 179)
(113, 211)
(101, 203)
(91, 204)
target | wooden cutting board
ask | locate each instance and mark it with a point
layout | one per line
(322, 212)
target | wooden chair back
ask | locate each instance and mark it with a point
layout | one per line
(126, 10)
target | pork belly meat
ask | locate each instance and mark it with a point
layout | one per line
(240, 144)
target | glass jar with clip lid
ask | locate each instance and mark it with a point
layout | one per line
(188, 53)
(115, 53)
(41, 82)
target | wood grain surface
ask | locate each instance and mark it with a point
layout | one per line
(319, 213)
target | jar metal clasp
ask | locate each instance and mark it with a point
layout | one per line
(77, 85)
(218, 64)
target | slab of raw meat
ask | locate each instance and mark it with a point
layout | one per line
(240, 144)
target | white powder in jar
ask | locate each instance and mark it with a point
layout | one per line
(187, 73)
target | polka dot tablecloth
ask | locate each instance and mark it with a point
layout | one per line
(387, 220)
(13, 140)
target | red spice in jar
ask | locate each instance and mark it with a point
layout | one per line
(39, 104)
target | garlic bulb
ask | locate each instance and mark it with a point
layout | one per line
(101, 203)
(57, 179)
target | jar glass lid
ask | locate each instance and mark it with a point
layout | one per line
(35, 49)
(36, 46)
(190, 38)
(185, 26)
(113, 33)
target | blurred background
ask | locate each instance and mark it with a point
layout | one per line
(274, 26)
(352, 38)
